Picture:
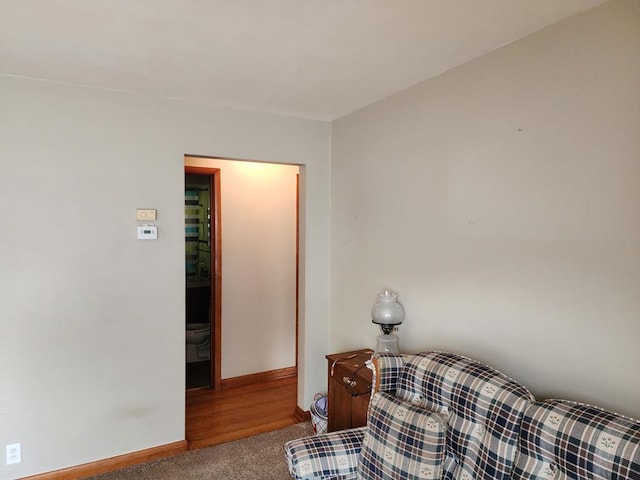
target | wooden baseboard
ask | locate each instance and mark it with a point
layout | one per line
(113, 463)
(302, 415)
(235, 382)
(155, 453)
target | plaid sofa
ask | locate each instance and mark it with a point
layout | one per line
(483, 409)
(564, 440)
(493, 430)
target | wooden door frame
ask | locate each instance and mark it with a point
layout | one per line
(216, 270)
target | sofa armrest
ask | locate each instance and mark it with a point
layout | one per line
(327, 456)
(386, 371)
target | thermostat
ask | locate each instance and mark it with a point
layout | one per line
(147, 232)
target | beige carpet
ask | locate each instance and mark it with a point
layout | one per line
(256, 458)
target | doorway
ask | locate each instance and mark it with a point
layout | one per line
(202, 278)
(261, 261)
(258, 299)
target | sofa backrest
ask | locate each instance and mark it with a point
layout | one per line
(564, 440)
(483, 408)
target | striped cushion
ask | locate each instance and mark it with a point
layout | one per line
(484, 410)
(564, 440)
(331, 455)
(401, 441)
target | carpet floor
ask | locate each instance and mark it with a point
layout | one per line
(260, 457)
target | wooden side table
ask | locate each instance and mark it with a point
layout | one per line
(349, 389)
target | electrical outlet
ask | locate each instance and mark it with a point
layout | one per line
(14, 453)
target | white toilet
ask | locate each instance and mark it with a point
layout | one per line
(198, 337)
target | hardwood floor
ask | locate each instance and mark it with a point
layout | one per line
(225, 415)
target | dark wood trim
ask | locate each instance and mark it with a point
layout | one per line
(302, 415)
(216, 269)
(235, 382)
(217, 274)
(113, 463)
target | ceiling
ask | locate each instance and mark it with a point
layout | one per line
(318, 59)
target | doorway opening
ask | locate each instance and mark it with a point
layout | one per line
(202, 278)
(260, 290)
(261, 286)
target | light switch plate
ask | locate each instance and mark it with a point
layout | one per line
(146, 214)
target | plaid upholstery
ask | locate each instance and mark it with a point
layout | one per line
(566, 440)
(483, 406)
(401, 441)
(330, 456)
(387, 371)
(490, 419)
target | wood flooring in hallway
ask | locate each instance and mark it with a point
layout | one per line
(217, 417)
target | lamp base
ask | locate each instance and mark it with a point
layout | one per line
(387, 343)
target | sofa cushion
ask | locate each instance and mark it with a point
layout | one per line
(332, 455)
(401, 441)
(483, 407)
(564, 440)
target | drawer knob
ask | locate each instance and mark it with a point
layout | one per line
(349, 381)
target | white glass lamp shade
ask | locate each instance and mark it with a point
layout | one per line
(387, 312)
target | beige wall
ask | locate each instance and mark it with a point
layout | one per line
(92, 346)
(502, 200)
(258, 265)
